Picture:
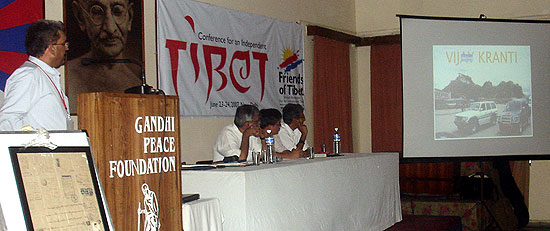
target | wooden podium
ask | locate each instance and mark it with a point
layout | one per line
(135, 142)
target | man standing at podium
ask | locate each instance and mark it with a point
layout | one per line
(234, 138)
(34, 96)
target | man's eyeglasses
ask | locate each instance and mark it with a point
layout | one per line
(97, 14)
(66, 44)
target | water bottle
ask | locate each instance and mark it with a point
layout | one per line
(269, 143)
(336, 142)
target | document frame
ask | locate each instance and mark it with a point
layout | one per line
(74, 176)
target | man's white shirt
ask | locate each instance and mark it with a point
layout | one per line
(289, 138)
(229, 144)
(32, 99)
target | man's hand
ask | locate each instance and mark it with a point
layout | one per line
(303, 129)
(252, 131)
(296, 153)
(262, 134)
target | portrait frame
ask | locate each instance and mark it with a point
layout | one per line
(80, 44)
(33, 193)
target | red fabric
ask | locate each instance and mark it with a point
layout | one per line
(386, 98)
(21, 12)
(331, 93)
(9, 61)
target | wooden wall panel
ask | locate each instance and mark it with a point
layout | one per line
(428, 178)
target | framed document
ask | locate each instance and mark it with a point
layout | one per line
(59, 189)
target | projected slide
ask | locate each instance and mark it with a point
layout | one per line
(482, 92)
(475, 88)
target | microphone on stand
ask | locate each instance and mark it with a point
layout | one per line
(141, 89)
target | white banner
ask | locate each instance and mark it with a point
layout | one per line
(216, 59)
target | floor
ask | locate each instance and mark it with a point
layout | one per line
(536, 226)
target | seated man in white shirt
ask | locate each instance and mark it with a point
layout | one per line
(234, 139)
(293, 131)
(270, 119)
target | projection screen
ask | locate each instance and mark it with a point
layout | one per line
(475, 88)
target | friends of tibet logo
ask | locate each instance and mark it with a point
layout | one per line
(290, 60)
(291, 82)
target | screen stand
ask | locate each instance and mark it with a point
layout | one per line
(482, 199)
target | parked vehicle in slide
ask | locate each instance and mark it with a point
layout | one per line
(476, 115)
(515, 116)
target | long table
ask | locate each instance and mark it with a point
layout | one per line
(351, 192)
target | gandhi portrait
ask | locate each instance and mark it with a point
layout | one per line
(102, 30)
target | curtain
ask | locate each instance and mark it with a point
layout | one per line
(331, 93)
(387, 125)
(520, 171)
(386, 98)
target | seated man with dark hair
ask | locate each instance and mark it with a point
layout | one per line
(234, 139)
(293, 131)
(270, 119)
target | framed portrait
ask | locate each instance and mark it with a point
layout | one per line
(59, 188)
(101, 35)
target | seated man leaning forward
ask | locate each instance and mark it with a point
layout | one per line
(270, 119)
(234, 139)
(293, 131)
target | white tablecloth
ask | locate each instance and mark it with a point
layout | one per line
(202, 215)
(354, 192)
